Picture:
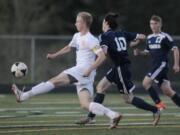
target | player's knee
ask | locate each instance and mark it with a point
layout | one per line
(56, 81)
(99, 89)
(53, 81)
(167, 90)
(146, 84)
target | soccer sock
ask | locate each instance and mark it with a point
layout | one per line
(41, 88)
(176, 99)
(154, 95)
(139, 103)
(99, 98)
(99, 109)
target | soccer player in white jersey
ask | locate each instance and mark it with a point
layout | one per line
(87, 48)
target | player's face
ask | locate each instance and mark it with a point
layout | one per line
(104, 26)
(80, 24)
(155, 26)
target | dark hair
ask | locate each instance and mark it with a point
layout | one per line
(111, 19)
(156, 18)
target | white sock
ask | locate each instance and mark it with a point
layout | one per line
(41, 88)
(99, 109)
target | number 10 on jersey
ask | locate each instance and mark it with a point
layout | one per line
(121, 44)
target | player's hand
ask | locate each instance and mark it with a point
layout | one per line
(87, 73)
(176, 68)
(142, 36)
(136, 51)
(50, 56)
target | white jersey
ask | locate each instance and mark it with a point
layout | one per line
(86, 48)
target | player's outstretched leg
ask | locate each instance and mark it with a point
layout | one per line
(41, 88)
(140, 103)
(147, 84)
(167, 90)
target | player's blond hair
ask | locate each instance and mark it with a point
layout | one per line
(156, 18)
(87, 18)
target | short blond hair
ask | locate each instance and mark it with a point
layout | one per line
(87, 18)
(156, 18)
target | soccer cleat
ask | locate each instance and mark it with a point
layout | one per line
(87, 120)
(17, 93)
(156, 117)
(115, 121)
(161, 106)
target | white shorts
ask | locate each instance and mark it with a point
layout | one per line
(83, 82)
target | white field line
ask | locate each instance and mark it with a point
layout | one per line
(89, 125)
(72, 120)
(83, 115)
(126, 114)
(76, 102)
(47, 129)
(66, 108)
(2, 96)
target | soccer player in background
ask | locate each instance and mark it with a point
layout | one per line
(158, 46)
(115, 44)
(87, 49)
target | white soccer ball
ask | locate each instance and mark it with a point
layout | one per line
(19, 69)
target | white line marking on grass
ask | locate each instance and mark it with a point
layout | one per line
(66, 108)
(72, 121)
(83, 128)
(76, 102)
(88, 125)
(21, 112)
(79, 114)
(2, 96)
(66, 120)
(62, 113)
(125, 114)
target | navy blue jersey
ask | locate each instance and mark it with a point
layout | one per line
(116, 43)
(159, 45)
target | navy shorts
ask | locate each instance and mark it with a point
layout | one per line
(121, 76)
(159, 73)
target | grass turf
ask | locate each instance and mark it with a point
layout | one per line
(53, 114)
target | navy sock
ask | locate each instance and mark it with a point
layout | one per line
(154, 95)
(99, 98)
(139, 103)
(176, 99)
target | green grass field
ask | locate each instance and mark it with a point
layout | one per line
(55, 114)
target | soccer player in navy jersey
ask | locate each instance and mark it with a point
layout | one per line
(158, 47)
(115, 45)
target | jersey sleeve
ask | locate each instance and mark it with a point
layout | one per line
(73, 41)
(103, 40)
(147, 47)
(169, 42)
(130, 36)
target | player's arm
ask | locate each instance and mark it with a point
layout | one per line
(139, 38)
(176, 67)
(61, 52)
(99, 60)
(140, 52)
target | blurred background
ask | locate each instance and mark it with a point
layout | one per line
(29, 29)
